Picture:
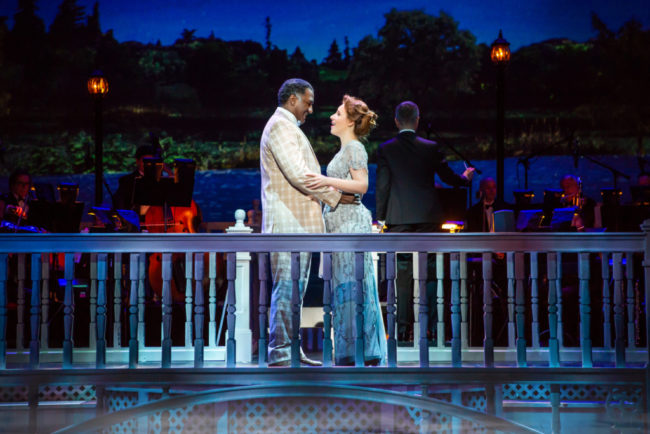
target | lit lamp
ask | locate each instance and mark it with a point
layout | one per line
(500, 56)
(453, 226)
(97, 88)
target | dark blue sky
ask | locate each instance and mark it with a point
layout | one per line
(314, 24)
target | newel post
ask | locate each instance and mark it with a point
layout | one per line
(243, 333)
(645, 227)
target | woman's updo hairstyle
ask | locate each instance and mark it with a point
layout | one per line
(358, 112)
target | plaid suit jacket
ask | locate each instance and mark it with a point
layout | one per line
(285, 156)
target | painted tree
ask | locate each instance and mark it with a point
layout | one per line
(334, 58)
(415, 56)
(68, 27)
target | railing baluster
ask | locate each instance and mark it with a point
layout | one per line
(102, 266)
(416, 299)
(619, 310)
(454, 274)
(92, 327)
(359, 359)
(327, 308)
(295, 310)
(20, 303)
(188, 300)
(166, 356)
(142, 271)
(35, 312)
(464, 328)
(607, 302)
(629, 302)
(68, 310)
(45, 300)
(134, 260)
(534, 297)
(263, 343)
(3, 310)
(510, 272)
(556, 426)
(553, 343)
(520, 308)
(231, 272)
(423, 308)
(488, 341)
(391, 309)
(212, 299)
(585, 309)
(558, 295)
(199, 310)
(440, 294)
(117, 300)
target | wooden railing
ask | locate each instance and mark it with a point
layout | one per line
(535, 269)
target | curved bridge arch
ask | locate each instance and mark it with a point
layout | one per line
(299, 390)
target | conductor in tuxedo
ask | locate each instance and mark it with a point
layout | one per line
(407, 200)
(480, 217)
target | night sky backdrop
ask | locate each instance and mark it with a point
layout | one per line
(313, 25)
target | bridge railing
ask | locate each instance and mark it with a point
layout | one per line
(593, 283)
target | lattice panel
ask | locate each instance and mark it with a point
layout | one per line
(120, 400)
(475, 400)
(300, 415)
(66, 393)
(526, 392)
(14, 394)
(568, 393)
(441, 396)
(194, 419)
(411, 419)
(576, 392)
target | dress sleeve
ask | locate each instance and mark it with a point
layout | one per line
(358, 156)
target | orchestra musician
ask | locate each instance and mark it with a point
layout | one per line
(480, 217)
(572, 196)
(14, 205)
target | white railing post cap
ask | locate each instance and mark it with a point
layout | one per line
(239, 226)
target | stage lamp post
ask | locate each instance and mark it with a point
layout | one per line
(98, 88)
(500, 56)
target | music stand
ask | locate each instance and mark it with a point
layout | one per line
(116, 219)
(529, 220)
(640, 194)
(504, 220)
(155, 190)
(562, 218)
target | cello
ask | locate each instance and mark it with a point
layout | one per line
(169, 219)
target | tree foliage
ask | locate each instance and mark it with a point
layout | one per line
(415, 56)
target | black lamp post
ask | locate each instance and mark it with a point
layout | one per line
(500, 55)
(97, 88)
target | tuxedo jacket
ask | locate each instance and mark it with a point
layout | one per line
(285, 157)
(406, 169)
(123, 198)
(475, 218)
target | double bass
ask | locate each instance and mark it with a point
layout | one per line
(169, 219)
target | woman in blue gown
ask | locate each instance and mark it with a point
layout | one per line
(348, 172)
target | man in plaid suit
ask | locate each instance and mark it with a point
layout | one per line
(288, 205)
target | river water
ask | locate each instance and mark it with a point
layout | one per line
(220, 192)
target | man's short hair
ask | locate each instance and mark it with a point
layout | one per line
(293, 86)
(407, 113)
(13, 178)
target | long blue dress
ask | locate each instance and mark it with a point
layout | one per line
(353, 219)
